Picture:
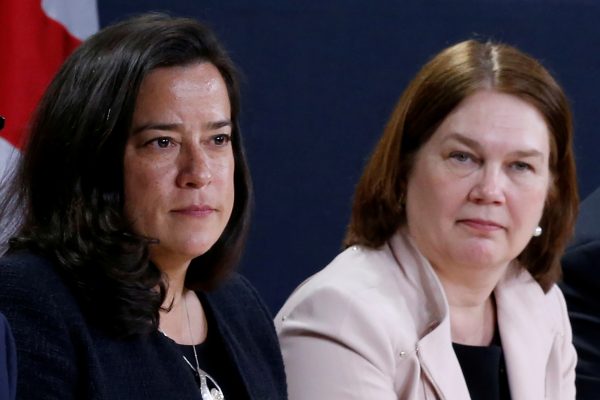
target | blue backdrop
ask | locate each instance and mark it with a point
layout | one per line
(320, 79)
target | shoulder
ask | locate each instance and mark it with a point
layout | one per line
(521, 293)
(33, 293)
(29, 271)
(44, 317)
(246, 326)
(557, 311)
(21, 263)
(237, 305)
(24, 273)
(237, 295)
(366, 311)
(235, 285)
(362, 297)
(391, 281)
(356, 272)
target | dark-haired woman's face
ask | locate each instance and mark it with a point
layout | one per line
(179, 164)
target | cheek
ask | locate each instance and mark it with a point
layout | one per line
(430, 191)
(535, 194)
(531, 205)
(223, 173)
(526, 208)
(141, 187)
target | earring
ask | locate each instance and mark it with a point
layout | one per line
(537, 231)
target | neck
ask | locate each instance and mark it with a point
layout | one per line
(471, 304)
(469, 286)
(185, 321)
(174, 273)
(473, 325)
(181, 316)
(175, 288)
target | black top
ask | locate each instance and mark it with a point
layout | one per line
(484, 370)
(62, 355)
(581, 285)
(214, 360)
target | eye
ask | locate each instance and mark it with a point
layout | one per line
(221, 140)
(521, 166)
(461, 156)
(162, 142)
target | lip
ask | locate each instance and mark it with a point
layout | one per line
(481, 225)
(195, 210)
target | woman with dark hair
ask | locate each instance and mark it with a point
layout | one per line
(134, 195)
(447, 287)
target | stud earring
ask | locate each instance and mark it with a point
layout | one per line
(537, 231)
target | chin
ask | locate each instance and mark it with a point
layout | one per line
(182, 250)
(198, 249)
(482, 256)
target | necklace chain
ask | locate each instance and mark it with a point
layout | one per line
(214, 394)
(190, 332)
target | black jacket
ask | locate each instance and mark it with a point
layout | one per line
(581, 286)
(61, 356)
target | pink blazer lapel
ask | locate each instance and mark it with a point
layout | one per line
(440, 365)
(434, 348)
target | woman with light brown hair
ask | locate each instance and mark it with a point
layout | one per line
(447, 286)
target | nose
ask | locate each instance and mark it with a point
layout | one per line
(488, 187)
(194, 168)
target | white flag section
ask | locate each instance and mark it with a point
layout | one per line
(8, 157)
(80, 17)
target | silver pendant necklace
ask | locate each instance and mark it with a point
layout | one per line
(207, 394)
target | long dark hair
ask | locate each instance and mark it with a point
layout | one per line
(69, 185)
(452, 75)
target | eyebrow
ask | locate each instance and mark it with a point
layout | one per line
(172, 127)
(477, 146)
(219, 124)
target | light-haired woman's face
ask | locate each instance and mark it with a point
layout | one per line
(477, 188)
(179, 164)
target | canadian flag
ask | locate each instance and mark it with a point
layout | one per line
(35, 38)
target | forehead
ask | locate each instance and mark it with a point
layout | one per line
(190, 94)
(499, 119)
(195, 78)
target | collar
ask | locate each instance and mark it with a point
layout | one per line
(526, 332)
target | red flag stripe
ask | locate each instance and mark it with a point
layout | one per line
(34, 47)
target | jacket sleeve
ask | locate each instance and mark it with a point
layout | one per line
(333, 348)
(45, 355)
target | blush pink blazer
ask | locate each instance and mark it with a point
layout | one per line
(374, 324)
